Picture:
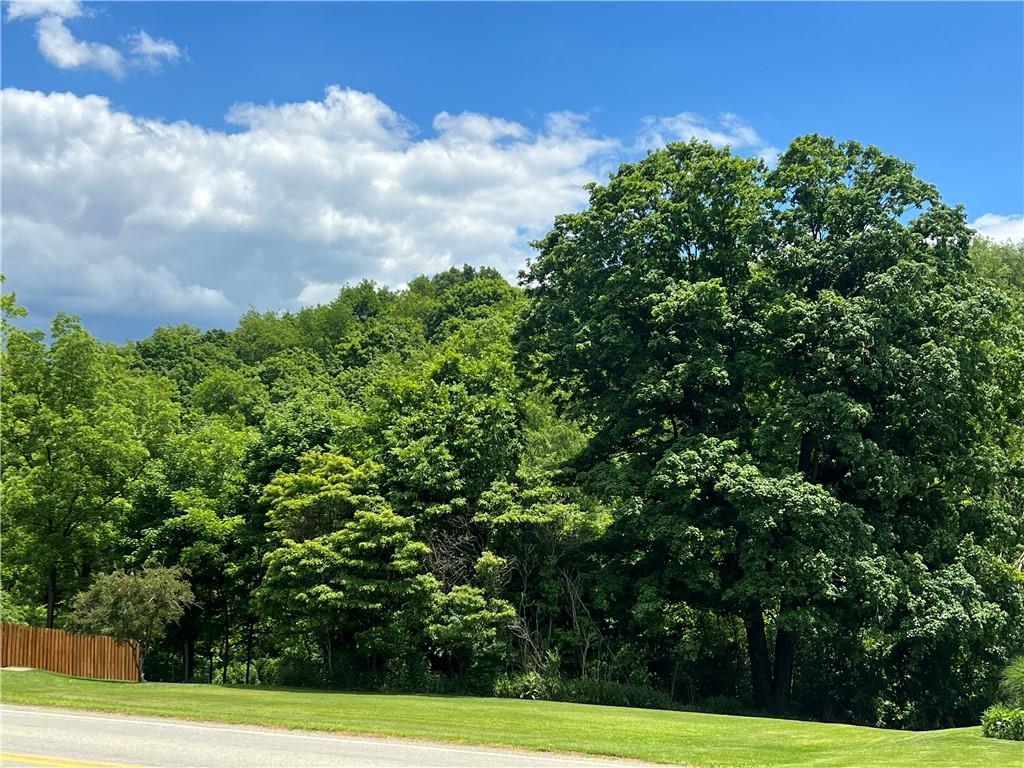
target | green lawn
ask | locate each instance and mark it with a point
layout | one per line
(671, 737)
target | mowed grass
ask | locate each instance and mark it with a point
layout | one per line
(683, 738)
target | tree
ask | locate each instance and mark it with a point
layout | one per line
(322, 495)
(353, 577)
(361, 590)
(79, 428)
(468, 628)
(184, 354)
(186, 511)
(1000, 263)
(259, 336)
(231, 392)
(133, 608)
(786, 373)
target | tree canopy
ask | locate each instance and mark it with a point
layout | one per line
(791, 370)
(747, 438)
(133, 608)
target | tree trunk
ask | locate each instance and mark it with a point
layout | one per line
(227, 645)
(760, 664)
(248, 647)
(137, 655)
(190, 658)
(807, 461)
(771, 676)
(782, 678)
(51, 595)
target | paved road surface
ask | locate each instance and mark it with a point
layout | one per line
(34, 737)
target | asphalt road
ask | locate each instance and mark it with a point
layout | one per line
(31, 736)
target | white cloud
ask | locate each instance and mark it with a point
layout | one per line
(29, 9)
(996, 227)
(473, 127)
(140, 221)
(64, 50)
(728, 130)
(318, 293)
(106, 212)
(60, 47)
(152, 52)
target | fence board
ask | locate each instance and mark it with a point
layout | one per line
(58, 651)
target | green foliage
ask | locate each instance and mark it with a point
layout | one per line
(532, 685)
(260, 336)
(79, 428)
(468, 294)
(1000, 263)
(356, 579)
(20, 613)
(469, 629)
(9, 309)
(324, 493)
(1003, 722)
(232, 393)
(133, 608)
(184, 354)
(788, 376)
(749, 438)
(294, 373)
(1011, 687)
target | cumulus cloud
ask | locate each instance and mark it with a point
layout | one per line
(152, 52)
(64, 50)
(996, 227)
(29, 9)
(132, 221)
(107, 212)
(318, 293)
(728, 130)
(60, 47)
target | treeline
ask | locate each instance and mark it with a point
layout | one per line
(746, 439)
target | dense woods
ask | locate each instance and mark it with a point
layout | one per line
(744, 439)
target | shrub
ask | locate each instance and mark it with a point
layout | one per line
(1002, 722)
(529, 685)
(532, 685)
(590, 691)
(723, 705)
(1012, 685)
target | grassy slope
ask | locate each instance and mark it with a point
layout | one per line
(677, 737)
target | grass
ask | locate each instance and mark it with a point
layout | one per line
(709, 741)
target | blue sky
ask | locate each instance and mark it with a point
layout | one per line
(455, 133)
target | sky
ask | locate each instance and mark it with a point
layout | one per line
(185, 162)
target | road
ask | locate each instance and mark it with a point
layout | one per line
(31, 736)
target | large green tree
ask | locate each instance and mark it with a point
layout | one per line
(788, 376)
(79, 428)
(349, 573)
(187, 510)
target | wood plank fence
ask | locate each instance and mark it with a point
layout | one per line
(58, 651)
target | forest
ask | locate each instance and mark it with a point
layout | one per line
(741, 438)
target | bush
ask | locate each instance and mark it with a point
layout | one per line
(1012, 685)
(723, 705)
(589, 691)
(400, 674)
(1002, 722)
(528, 685)
(532, 685)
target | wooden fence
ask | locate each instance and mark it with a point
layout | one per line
(58, 651)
